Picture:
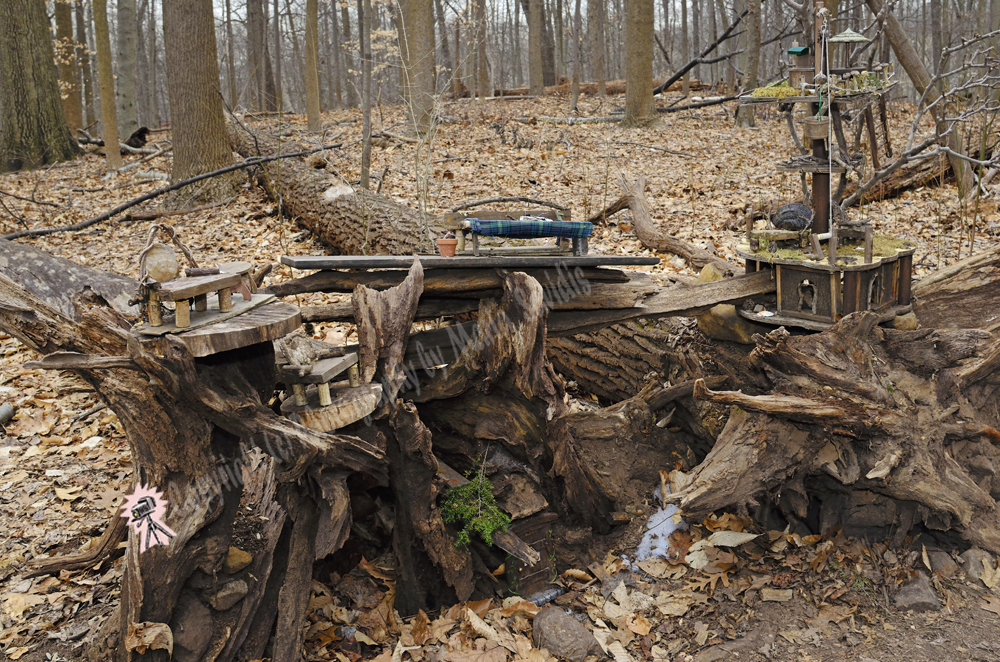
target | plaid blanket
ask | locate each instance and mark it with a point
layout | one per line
(527, 227)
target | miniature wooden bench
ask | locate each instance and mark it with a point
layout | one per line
(320, 373)
(571, 236)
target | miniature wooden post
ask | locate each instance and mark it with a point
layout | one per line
(182, 317)
(832, 247)
(225, 300)
(201, 302)
(155, 312)
(354, 376)
(300, 394)
(816, 246)
(324, 394)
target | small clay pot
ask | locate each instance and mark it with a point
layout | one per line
(447, 247)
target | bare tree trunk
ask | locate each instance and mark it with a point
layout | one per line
(596, 20)
(482, 76)
(639, 110)
(278, 94)
(745, 113)
(352, 95)
(83, 58)
(68, 73)
(199, 128)
(109, 119)
(312, 65)
(125, 38)
(577, 56)
(447, 67)
(153, 64)
(416, 49)
(230, 59)
(685, 47)
(535, 82)
(364, 34)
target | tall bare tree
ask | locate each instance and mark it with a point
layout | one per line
(125, 38)
(745, 115)
(416, 49)
(66, 55)
(596, 19)
(106, 79)
(230, 57)
(83, 59)
(577, 53)
(199, 127)
(639, 110)
(33, 128)
(276, 28)
(312, 65)
(535, 81)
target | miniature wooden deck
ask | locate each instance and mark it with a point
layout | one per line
(458, 262)
(202, 318)
(261, 324)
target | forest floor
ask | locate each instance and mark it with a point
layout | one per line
(64, 462)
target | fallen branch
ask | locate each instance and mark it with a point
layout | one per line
(694, 62)
(516, 198)
(41, 232)
(658, 149)
(37, 202)
(113, 535)
(700, 104)
(153, 215)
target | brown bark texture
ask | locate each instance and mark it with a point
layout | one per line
(199, 128)
(66, 57)
(33, 129)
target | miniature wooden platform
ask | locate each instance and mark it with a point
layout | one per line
(201, 318)
(261, 324)
(778, 319)
(320, 372)
(349, 404)
(457, 262)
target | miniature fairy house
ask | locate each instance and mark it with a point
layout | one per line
(855, 270)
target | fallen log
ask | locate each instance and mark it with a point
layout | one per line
(352, 221)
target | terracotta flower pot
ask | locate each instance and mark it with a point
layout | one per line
(447, 247)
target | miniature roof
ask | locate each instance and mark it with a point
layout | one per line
(848, 36)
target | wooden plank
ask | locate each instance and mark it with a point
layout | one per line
(322, 371)
(436, 262)
(567, 295)
(188, 288)
(200, 318)
(440, 282)
(268, 322)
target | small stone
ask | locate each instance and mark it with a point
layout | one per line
(192, 629)
(942, 563)
(722, 322)
(229, 595)
(709, 274)
(563, 635)
(917, 595)
(972, 563)
(890, 557)
(907, 322)
(236, 560)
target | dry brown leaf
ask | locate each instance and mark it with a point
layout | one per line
(638, 624)
(991, 573)
(619, 653)
(17, 603)
(776, 594)
(149, 636)
(479, 607)
(991, 603)
(420, 631)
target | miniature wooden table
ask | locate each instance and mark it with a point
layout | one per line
(182, 290)
(320, 373)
